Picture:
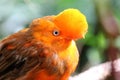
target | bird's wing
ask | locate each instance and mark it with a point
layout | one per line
(17, 57)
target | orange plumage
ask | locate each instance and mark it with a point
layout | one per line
(44, 51)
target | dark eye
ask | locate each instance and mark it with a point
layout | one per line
(56, 32)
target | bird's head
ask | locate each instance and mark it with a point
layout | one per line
(59, 30)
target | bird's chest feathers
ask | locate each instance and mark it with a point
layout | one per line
(62, 64)
(70, 56)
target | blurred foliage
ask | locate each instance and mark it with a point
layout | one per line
(17, 14)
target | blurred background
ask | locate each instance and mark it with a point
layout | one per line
(102, 42)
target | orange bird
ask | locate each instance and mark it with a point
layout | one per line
(44, 51)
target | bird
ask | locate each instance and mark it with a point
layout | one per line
(46, 50)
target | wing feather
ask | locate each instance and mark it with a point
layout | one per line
(16, 60)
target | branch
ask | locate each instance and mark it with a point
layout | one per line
(99, 72)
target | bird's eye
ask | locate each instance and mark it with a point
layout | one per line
(56, 32)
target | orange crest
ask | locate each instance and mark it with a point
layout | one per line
(72, 23)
